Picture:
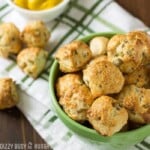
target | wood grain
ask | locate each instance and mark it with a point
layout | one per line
(139, 8)
(14, 128)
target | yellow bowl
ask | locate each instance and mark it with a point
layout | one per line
(44, 15)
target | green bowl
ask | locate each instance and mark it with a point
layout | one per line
(118, 140)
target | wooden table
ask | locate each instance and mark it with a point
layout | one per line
(139, 8)
(14, 128)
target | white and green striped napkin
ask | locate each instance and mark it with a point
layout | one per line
(82, 17)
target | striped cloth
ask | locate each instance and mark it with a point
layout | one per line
(81, 18)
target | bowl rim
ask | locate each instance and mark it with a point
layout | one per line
(75, 124)
(55, 8)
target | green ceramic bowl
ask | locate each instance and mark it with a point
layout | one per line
(117, 141)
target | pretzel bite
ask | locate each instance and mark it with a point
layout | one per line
(8, 93)
(99, 58)
(35, 34)
(136, 101)
(73, 56)
(9, 39)
(139, 77)
(32, 61)
(68, 80)
(106, 116)
(103, 77)
(75, 97)
(129, 51)
(98, 45)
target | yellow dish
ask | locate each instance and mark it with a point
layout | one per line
(37, 4)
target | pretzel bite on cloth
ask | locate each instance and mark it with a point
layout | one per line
(8, 93)
(9, 39)
(35, 34)
(32, 61)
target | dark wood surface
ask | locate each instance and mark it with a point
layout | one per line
(139, 8)
(14, 128)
